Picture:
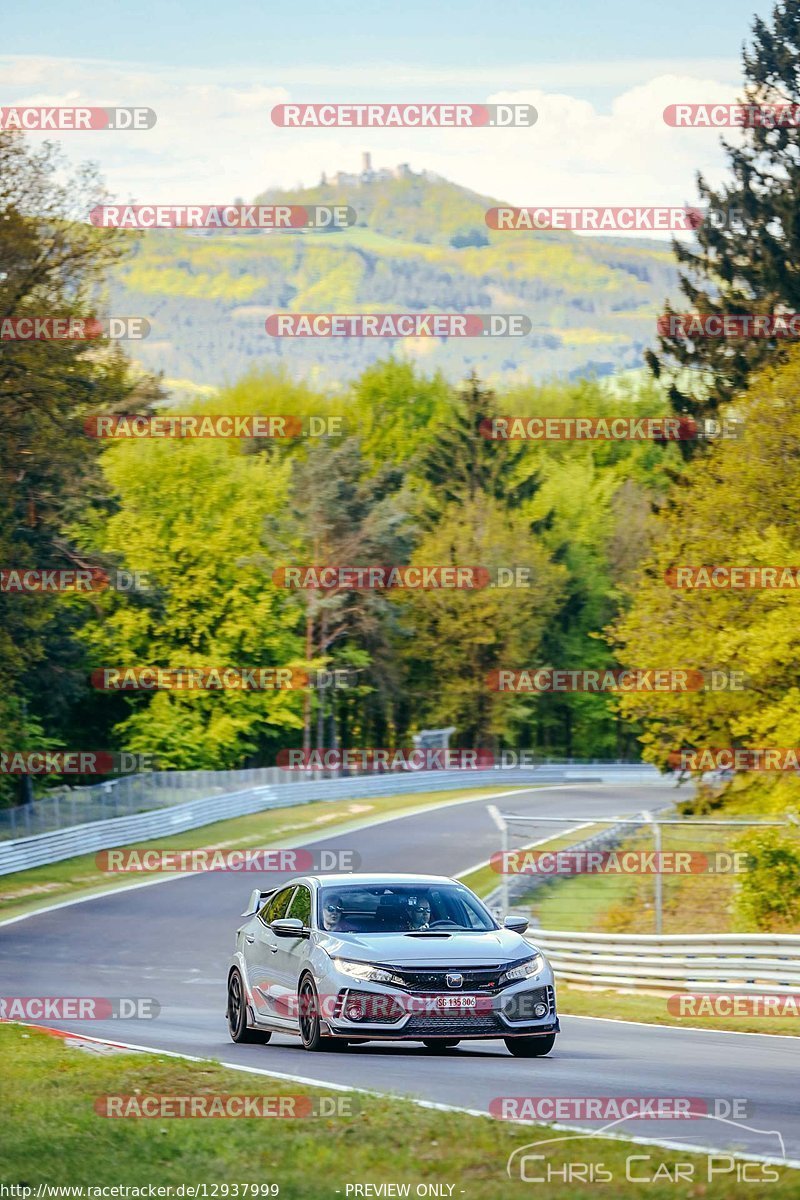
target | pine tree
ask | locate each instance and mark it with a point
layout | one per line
(746, 258)
(461, 463)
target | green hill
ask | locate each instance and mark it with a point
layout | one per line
(420, 244)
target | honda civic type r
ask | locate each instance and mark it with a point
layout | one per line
(400, 957)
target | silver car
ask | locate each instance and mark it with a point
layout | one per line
(403, 957)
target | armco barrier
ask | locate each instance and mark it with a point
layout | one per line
(22, 853)
(705, 962)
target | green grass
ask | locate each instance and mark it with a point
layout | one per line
(25, 891)
(652, 1009)
(53, 1135)
(485, 879)
(692, 903)
(593, 903)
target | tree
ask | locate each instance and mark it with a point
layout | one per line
(737, 505)
(191, 515)
(341, 514)
(458, 637)
(459, 462)
(748, 246)
(52, 263)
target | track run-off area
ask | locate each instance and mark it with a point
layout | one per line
(172, 940)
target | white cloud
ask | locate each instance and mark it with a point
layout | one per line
(214, 138)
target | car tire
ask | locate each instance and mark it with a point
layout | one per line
(236, 1013)
(530, 1047)
(309, 1021)
(437, 1045)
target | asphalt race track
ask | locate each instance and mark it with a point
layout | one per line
(172, 941)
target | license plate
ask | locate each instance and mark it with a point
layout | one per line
(459, 1003)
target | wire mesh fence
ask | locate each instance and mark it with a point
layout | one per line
(640, 874)
(126, 795)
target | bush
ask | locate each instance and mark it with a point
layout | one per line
(768, 897)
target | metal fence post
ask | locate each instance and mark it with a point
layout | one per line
(659, 896)
(501, 824)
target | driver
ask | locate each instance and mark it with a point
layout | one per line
(420, 914)
(333, 917)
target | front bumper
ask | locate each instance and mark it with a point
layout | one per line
(395, 1015)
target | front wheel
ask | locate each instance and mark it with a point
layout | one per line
(310, 1024)
(237, 1014)
(437, 1044)
(530, 1047)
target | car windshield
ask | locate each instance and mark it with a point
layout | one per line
(402, 908)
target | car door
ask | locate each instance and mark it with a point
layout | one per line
(292, 952)
(264, 970)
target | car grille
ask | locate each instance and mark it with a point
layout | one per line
(463, 1025)
(484, 980)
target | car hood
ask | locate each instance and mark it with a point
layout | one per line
(493, 946)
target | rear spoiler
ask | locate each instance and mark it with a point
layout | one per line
(257, 900)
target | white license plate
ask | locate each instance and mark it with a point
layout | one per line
(456, 1002)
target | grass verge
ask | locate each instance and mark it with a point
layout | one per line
(652, 1009)
(53, 1135)
(592, 903)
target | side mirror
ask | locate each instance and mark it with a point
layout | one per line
(288, 927)
(516, 924)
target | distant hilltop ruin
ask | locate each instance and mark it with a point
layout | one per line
(368, 175)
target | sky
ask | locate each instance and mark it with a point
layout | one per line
(599, 72)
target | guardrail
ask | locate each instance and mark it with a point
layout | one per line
(746, 963)
(20, 854)
(126, 795)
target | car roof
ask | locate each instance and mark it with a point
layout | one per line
(374, 879)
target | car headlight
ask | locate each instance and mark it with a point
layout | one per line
(523, 970)
(364, 971)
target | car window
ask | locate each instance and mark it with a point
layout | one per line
(301, 906)
(401, 908)
(277, 906)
